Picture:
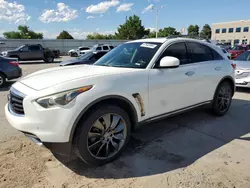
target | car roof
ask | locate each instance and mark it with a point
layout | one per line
(165, 39)
(157, 40)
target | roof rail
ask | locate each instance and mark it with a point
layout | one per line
(186, 36)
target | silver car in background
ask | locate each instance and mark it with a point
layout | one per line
(242, 72)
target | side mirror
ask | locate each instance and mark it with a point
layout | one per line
(169, 62)
(21, 50)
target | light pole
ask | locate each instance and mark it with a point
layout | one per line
(157, 11)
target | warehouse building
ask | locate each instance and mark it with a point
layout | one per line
(236, 32)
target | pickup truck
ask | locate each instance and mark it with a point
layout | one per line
(30, 52)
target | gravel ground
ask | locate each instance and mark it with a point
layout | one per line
(192, 150)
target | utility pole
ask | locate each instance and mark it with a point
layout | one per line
(157, 19)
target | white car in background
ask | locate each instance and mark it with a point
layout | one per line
(78, 52)
(91, 110)
(242, 72)
(99, 47)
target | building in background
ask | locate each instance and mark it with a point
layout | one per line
(237, 32)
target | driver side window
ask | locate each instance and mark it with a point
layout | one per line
(177, 50)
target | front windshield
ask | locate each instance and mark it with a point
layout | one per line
(130, 55)
(86, 56)
(244, 57)
(237, 48)
(18, 48)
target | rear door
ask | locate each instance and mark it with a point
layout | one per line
(208, 67)
(36, 53)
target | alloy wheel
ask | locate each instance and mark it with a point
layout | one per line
(224, 98)
(106, 136)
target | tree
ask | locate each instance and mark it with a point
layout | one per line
(64, 35)
(23, 33)
(193, 30)
(132, 29)
(206, 32)
(168, 31)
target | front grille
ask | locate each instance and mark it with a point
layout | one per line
(16, 102)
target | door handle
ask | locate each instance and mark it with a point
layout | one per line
(189, 73)
(218, 68)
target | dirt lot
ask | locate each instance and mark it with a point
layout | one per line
(190, 150)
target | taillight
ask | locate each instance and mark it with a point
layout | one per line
(15, 63)
(234, 66)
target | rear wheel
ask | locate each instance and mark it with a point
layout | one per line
(2, 80)
(222, 99)
(102, 136)
(49, 59)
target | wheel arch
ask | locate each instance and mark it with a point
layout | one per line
(227, 79)
(120, 101)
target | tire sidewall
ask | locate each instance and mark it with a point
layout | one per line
(49, 60)
(4, 80)
(85, 125)
(215, 100)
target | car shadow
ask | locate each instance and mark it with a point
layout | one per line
(171, 144)
(7, 85)
(243, 90)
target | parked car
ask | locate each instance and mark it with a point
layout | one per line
(30, 52)
(237, 51)
(242, 73)
(78, 52)
(101, 47)
(91, 110)
(88, 58)
(9, 70)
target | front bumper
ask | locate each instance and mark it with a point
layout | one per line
(244, 82)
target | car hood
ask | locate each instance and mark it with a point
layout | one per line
(71, 61)
(242, 65)
(50, 77)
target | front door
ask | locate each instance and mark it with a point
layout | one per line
(172, 89)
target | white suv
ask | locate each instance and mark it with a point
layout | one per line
(91, 110)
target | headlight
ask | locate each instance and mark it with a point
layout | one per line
(61, 99)
(4, 53)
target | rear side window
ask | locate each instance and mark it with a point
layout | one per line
(34, 48)
(216, 55)
(177, 50)
(105, 48)
(111, 47)
(199, 53)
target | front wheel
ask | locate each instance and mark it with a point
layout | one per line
(102, 136)
(222, 99)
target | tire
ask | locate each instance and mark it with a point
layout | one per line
(49, 59)
(222, 99)
(74, 54)
(92, 148)
(2, 80)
